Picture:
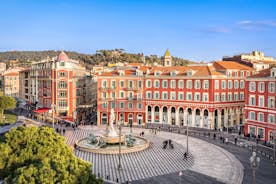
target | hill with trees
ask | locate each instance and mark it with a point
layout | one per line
(24, 58)
(36, 155)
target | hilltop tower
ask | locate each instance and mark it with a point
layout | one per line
(167, 58)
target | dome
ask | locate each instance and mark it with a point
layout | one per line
(62, 57)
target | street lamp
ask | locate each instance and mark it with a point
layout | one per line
(274, 148)
(120, 134)
(187, 130)
(53, 115)
(255, 163)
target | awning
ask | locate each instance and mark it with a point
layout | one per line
(41, 110)
(66, 119)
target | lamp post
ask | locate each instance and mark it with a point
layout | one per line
(53, 115)
(120, 134)
(255, 163)
(274, 148)
(187, 130)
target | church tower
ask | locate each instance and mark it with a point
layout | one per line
(167, 59)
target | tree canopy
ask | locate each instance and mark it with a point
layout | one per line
(6, 102)
(39, 155)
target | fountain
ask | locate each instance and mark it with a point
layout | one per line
(108, 143)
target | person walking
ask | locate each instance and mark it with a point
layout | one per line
(236, 140)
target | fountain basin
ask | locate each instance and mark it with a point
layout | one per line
(113, 140)
(139, 145)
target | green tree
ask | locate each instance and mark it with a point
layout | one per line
(39, 155)
(6, 102)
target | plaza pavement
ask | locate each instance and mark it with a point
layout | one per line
(206, 160)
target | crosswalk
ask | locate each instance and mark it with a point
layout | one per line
(151, 162)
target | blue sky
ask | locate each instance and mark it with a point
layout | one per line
(199, 30)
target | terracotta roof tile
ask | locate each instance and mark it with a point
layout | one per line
(223, 65)
(263, 73)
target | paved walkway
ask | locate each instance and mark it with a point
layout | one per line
(206, 158)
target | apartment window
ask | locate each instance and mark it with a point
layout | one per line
(104, 105)
(122, 105)
(122, 94)
(271, 102)
(148, 95)
(130, 95)
(139, 84)
(130, 84)
(229, 84)
(189, 97)
(261, 101)
(252, 100)
(197, 84)
(139, 106)
(156, 84)
(216, 84)
(261, 87)
(252, 86)
(156, 95)
(205, 84)
(62, 63)
(113, 84)
(235, 74)
(229, 97)
(261, 117)
(165, 84)
(189, 84)
(104, 95)
(104, 83)
(113, 95)
(236, 97)
(197, 97)
(112, 105)
(271, 87)
(180, 84)
(173, 84)
(242, 96)
(247, 74)
(139, 96)
(223, 84)
(62, 94)
(62, 74)
(62, 85)
(216, 97)
(223, 97)
(148, 84)
(164, 95)
(62, 103)
(172, 95)
(122, 83)
(261, 132)
(252, 116)
(236, 84)
(229, 74)
(180, 96)
(130, 105)
(205, 97)
(271, 118)
(242, 74)
(242, 84)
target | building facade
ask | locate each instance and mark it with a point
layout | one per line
(260, 104)
(58, 84)
(204, 95)
(10, 82)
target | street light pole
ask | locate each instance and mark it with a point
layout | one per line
(187, 130)
(274, 148)
(120, 133)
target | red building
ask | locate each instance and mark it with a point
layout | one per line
(260, 104)
(202, 95)
(59, 85)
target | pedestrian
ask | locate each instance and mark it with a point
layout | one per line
(155, 131)
(222, 139)
(64, 131)
(185, 155)
(214, 136)
(236, 140)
